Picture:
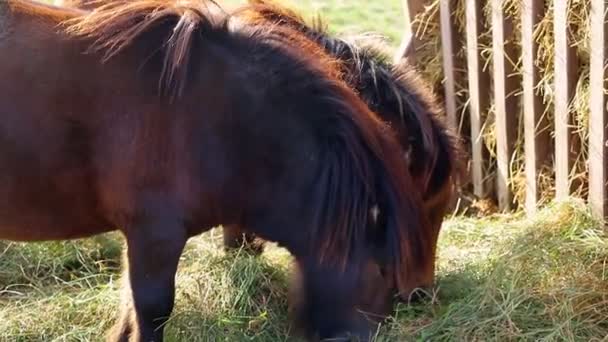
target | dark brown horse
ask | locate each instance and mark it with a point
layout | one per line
(193, 121)
(396, 94)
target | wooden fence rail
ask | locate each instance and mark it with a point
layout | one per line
(507, 109)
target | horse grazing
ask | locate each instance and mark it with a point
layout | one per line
(399, 97)
(192, 121)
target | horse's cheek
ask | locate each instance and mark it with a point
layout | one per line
(376, 291)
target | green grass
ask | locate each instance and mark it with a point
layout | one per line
(384, 17)
(499, 279)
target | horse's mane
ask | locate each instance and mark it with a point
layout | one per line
(116, 25)
(366, 61)
(262, 12)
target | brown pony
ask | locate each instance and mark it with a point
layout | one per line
(192, 121)
(397, 95)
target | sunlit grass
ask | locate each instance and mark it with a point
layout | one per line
(500, 278)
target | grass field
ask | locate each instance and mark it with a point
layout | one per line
(500, 278)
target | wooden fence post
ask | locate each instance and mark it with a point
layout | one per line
(505, 101)
(448, 51)
(536, 125)
(411, 8)
(598, 118)
(565, 86)
(478, 97)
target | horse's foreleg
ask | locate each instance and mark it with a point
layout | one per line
(324, 301)
(123, 327)
(154, 248)
(235, 237)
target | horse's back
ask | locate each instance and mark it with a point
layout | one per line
(80, 141)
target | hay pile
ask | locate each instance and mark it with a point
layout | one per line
(512, 278)
(429, 62)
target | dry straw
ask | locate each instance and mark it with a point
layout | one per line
(428, 56)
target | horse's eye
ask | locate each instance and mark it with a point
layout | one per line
(382, 272)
